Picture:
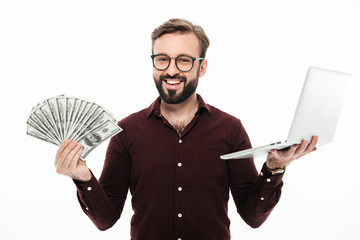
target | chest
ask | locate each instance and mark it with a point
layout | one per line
(179, 124)
(162, 156)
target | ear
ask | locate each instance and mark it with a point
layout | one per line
(203, 67)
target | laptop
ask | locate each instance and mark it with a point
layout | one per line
(317, 113)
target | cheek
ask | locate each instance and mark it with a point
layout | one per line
(156, 75)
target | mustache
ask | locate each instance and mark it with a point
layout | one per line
(176, 76)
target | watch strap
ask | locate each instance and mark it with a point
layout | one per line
(275, 171)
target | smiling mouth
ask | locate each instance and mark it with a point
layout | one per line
(173, 81)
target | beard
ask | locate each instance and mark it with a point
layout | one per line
(170, 96)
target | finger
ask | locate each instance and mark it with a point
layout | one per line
(65, 153)
(310, 146)
(301, 148)
(82, 161)
(313, 142)
(293, 149)
(62, 146)
(274, 153)
(71, 156)
(75, 160)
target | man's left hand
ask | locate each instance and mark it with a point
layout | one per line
(282, 158)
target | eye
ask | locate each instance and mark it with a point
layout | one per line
(162, 59)
(184, 60)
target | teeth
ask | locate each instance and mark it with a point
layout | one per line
(172, 82)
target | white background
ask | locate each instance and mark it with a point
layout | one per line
(257, 61)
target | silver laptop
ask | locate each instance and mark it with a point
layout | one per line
(317, 112)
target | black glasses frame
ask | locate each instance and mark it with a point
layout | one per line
(176, 58)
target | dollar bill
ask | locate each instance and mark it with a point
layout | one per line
(97, 136)
(45, 110)
(63, 117)
(36, 133)
(38, 121)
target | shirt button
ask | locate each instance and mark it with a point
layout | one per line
(87, 209)
(268, 180)
(180, 141)
(261, 174)
(179, 239)
(179, 164)
(89, 189)
(179, 189)
(179, 215)
(262, 198)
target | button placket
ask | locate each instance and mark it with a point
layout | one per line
(179, 196)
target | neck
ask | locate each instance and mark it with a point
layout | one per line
(184, 109)
(180, 115)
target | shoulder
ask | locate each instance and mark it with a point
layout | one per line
(230, 128)
(130, 124)
(134, 118)
(222, 116)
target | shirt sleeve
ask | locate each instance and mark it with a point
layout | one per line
(103, 200)
(255, 194)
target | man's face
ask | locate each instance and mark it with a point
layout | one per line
(175, 86)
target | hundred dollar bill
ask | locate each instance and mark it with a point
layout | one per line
(61, 106)
(55, 115)
(77, 112)
(39, 122)
(36, 130)
(86, 125)
(69, 107)
(97, 136)
(89, 111)
(62, 117)
(46, 111)
(40, 135)
(98, 119)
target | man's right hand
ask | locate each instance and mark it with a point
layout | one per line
(69, 163)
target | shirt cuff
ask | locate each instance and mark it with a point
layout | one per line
(87, 192)
(271, 181)
(88, 186)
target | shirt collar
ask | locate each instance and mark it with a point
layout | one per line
(155, 107)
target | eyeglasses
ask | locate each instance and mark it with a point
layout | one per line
(183, 63)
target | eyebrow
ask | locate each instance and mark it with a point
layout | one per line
(181, 54)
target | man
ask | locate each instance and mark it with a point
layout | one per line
(169, 156)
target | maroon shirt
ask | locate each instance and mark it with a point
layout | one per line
(179, 184)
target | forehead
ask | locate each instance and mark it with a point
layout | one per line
(174, 44)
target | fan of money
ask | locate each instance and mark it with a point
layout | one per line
(60, 118)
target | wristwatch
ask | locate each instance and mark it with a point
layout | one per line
(276, 171)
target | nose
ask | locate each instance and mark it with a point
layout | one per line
(172, 69)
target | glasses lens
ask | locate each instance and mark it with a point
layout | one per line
(161, 62)
(184, 63)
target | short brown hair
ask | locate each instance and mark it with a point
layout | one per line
(182, 25)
